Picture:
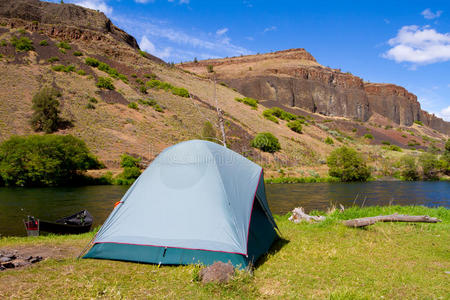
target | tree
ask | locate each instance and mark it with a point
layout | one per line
(348, 165)
(266, 142)
(131, 170)
(430, 166)
(44, 160)
(46, 110)
(408, 168)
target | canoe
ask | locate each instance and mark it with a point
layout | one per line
(80, 222)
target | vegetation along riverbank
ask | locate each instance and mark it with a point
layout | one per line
(322, 260)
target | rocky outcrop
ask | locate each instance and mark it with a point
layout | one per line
(294, 78)
(86, 21)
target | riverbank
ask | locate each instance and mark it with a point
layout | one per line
(324, 260)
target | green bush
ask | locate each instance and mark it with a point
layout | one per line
(268, 115)
(283, 115)
(329, 141)
(44, 160)
(64, 45)
(420, 123)
(22, 44)
(134, 75)
(143, 53)
(90, 106)
(92, 62)
(81, 72)
(150, 102)
(408, 168)
(45, 107)
(53, 59)
(43, 43)
(385, 143)
(158, 108)
(143, 89)
(208, 132)
(62, 68)
(368, 136)
(430, 166)
(128, 161)
(182, 92)
(295, 125)
(266, 142)
(133, 105)
(348, 165)
(248, 101)
(394, 148)
(77, 53)
(150, 76)
(93, 100)
(3, 43)
(105, 83)
(131, 170)
(210, 68)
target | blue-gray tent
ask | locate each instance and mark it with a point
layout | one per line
(197, 202)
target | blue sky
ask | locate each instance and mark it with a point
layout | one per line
(401, 42)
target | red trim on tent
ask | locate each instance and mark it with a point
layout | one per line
(251, 212)
(168, 247)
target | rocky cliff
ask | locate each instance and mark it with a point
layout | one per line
(294, 78)
(86, 23)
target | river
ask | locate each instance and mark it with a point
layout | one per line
(54, 203)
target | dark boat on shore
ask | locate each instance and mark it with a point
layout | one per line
(80, 222)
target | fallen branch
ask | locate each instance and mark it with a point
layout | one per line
(362, 222)
(299, 215)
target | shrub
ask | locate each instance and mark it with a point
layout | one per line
(158, 108)
(150, 102)
(266, 142)
(62, 68)
(90, 106)
(420, 123)
(105, 83)
(368, 136)
(44, 160)
(394, 148)
(93, 100)
(143, 89)
(208, 132)
(81, 72)
(22, 44)
(123, 77)
(408, 168)
(430, 166)
(210, 68)
(295, 125)
(43, 43)
(329, 141)
(92, 62)
(248, 101)
(182, 92)
(385, 143)
(58, 68)
(354, 130)
(268, 115)
(64, 45)
(131, 170)
(53, 59)
(151, 76)
(134, 75)
(3, 43)
(283, 115)
(143, 53)
(128, 161)
(133, 105)
(45, 107)
(348, 165)
(77, 53)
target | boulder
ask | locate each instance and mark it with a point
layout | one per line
(218, 272)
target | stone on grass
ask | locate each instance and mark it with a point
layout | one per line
(219, 272)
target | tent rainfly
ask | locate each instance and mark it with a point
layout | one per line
(197, 202)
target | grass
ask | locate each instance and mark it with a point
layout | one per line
(314, 261)
(301, 179)
(248, 101)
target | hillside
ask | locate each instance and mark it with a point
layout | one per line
(110, 127)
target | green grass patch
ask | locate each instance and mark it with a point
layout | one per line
(63, 45)
(313, 261)
(22, 44)
(62, 68)
(162, 85)
(248, 101)
(43, 43)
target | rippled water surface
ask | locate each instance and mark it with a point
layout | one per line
(53, 203)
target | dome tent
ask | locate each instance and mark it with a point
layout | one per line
(197, 202)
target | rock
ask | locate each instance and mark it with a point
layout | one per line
(9, 265)
(5, 259)
(35, 259)
(219, 272)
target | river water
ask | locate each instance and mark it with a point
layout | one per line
(54, 203)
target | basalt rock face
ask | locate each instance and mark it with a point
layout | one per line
(294, 78)
(85, 22)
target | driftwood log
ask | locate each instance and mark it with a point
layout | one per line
(362, 222)
(298, 215)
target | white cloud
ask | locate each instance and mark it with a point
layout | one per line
(419, 46)
(222, 31)
(445, 113)
(271, 28)
(184, 1)
(95, 4)
(428, 14)
(387, 21)
(145, 1)
(149, 47)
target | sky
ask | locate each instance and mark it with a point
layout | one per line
(402, 42)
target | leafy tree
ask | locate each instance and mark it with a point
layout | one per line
(348, 165)
(131, 170)
(128, 161)
(266, 142)
(430, 166)
(408, 168)
(44, 160)
(45, 110)
(208, 132)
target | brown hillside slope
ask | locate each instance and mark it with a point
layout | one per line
(294, 78)
(113, 128)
